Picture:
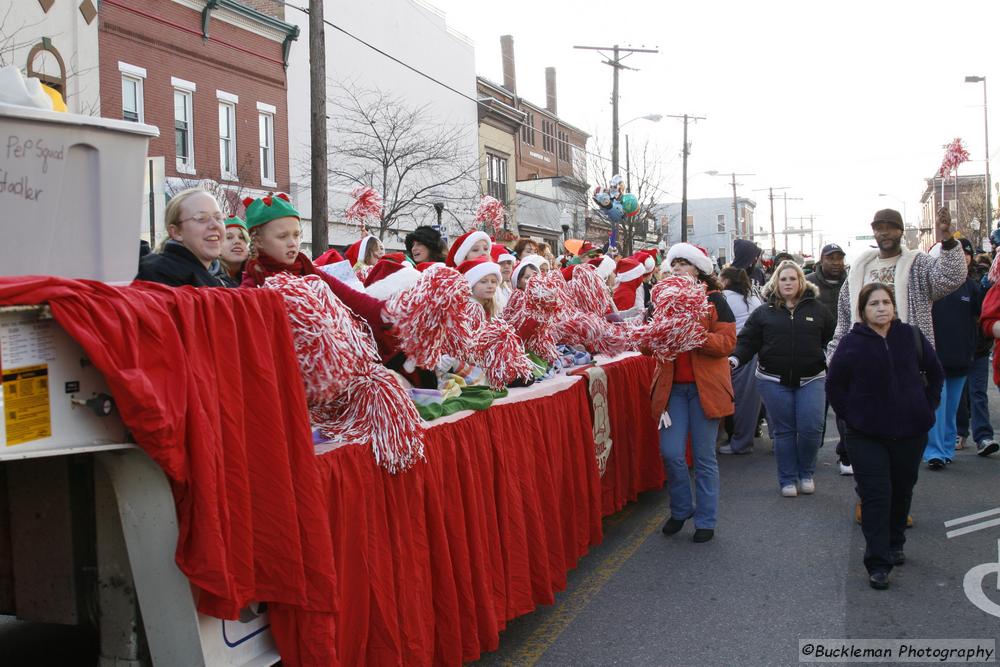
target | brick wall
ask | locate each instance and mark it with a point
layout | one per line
(270, 7)
(165, 39)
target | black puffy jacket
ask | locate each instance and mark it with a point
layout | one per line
(789, 344)
(176, 266)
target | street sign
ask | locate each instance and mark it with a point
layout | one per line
(865, 237)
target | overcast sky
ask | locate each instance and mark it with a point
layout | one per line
(841, 101)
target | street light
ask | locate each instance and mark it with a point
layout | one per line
(651, 117)
(986, 133)
(736, 210)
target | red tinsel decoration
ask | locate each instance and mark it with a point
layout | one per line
(490, 213)
(434, 317)
(680, 305)
(497, 349)
(587, 292)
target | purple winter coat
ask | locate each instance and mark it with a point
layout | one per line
(874, 383)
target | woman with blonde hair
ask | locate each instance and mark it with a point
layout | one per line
(789, 334)
(190, 254)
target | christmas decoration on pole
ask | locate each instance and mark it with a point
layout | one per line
(490, 215)
(367, 207)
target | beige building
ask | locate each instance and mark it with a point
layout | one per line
(499, 124)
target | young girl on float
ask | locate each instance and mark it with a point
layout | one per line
(484, 278)
(502, 257)
(469, 245)
(527, 267)
(364, 253)
(275, 236)
(235, 249)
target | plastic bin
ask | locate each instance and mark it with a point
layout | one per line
(70, 194)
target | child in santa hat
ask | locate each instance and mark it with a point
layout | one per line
(629, 297)
(505, 260)
(469, 245)
(275, 236)
(363, 253)
(527, 267)
(484, 278)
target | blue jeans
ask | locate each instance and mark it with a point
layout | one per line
(796, 416)
(977, 406)
(686, 416)
(941, 437)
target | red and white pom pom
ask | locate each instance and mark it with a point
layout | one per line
(500, 353)
(376, 412)
(332, 345)
(515, 311)
(490, 214)
(680, 305)
(367, 206)
(546, 295)
(994, 274)
(587, 292)
(679, 295)
(593, 332)
(434, 318)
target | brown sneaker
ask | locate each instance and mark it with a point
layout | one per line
(909, 521)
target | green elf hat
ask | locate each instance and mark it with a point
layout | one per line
(265, 209)
(233, 221)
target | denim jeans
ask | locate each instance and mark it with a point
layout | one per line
(796, 417)
(975, 403)
(885, 472)
(747, 402)
(941, 437)
(686, 416)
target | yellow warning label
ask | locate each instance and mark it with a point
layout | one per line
(26, 404)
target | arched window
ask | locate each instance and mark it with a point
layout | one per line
(45, 63)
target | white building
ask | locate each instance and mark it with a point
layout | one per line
(56, 42)
(710, 224)
(414, 33)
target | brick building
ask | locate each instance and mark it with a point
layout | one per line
(211, 76)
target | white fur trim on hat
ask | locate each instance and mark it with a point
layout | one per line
(606, 267)
(470, 241)
(529, 260)
(506, 257)
(692, 254)
(632, 274)
(480, 271)
(401, 279)
(648, 264)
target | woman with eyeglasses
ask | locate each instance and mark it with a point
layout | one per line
(190, 255)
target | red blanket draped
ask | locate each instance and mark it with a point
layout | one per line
(207, 382)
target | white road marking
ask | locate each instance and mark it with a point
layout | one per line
(971, 517)
(974, 585)
(973, 528)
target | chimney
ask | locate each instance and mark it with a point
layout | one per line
(507, 53)
(550, 90)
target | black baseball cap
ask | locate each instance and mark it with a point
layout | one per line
(889, 215)
(966, 246)
(831, 248)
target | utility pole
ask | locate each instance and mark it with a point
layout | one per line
(317, 119)
(786, 198)
(770, 197)
(684, 170)
(615, 62)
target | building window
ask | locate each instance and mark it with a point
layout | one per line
(722, 222)
(132, 98)
(266, 142)
(496, 177)
(227, 140)
(46, 64)
(184, 124)
(690, 225)
(564, 146)
(528, 129)
(548, 137)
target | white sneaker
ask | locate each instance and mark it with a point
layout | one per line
(807, 486)
(789, 491)
(846, 470)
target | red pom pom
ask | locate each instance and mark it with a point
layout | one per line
(247, 201)
(587, 292)
(282, 195)
(490, 214)
(366, 207)
(434, 317)
(267, 200)
(680, 305)
(500, 353)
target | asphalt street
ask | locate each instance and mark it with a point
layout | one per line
(779, 570)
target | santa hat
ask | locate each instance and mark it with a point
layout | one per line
(568, 272)
(476, 269)
(628, 269)
(529, 260)
(500, 253)
(331, 256)
(390, 275)
(694, 255)
(423, 266)
(605, 265)
(356, 253)
(265, 209)
(643, 258)
(463, 244)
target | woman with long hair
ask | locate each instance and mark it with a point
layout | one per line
(740, 428)
(789, 334)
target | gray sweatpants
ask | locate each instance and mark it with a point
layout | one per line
(747, 405)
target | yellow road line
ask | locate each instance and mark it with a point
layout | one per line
(567, 610)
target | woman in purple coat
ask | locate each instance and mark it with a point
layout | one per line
(885, 382)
